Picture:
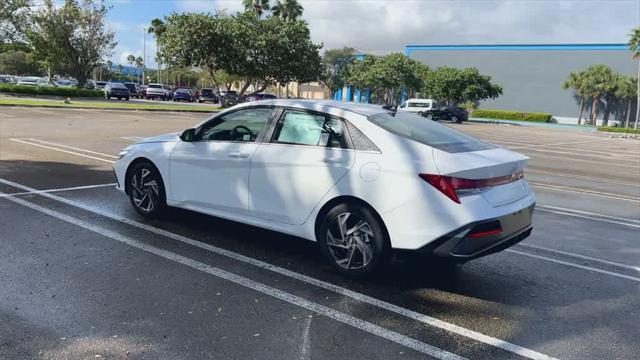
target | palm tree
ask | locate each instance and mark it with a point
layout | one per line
(634, 46)
(120, 68)
(288, 9)
(626, 91)
(599, 80)
(575, 81)
(157, 28)
(258, 7)
(139, 64)
(131, 59)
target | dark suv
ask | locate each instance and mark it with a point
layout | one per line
(452, 113)
(116, 90)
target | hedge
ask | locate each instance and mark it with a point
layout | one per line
(511, 115)
(49, 90)
(618, 130)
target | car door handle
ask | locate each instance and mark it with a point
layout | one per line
(332, 160)
(238, 155)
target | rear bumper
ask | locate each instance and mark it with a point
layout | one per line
(460, 246)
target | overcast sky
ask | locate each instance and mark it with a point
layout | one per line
(378, 26)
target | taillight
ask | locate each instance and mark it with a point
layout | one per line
(448, 185)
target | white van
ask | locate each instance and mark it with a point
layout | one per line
(418, 105)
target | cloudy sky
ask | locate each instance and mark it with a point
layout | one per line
(379, 26)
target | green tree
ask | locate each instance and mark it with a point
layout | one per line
(455, 86)
(18, 62)
(626, 91)
(71, 39)
(256, 7)
(634, 46)
(139, 63)
(157, 28)
(288, 9)
(262, 52)
(387, 76)
(599, 80)
(14, 18)
(336, 64)
(575, 81)
(120, 72)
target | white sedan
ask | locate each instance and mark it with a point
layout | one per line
(360, 180)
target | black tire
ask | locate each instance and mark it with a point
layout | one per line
(148, 199)
(371, 236)
(127, 98)
(421, 113)
(429, 116)
(454, 119)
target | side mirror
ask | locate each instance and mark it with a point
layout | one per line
(188, 135)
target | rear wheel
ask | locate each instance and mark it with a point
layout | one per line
(454, 119)
(146, 190)
(429, 116)
(353, 240)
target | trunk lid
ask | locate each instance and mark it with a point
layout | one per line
(486, 164)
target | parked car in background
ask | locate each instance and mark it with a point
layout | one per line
(100, 85)
(33, 81)
(7, 79)
(157, 91)
(134, 92)
(207, 95)
(452, 113)
(360, 180)
(64, 83)
(116, 90)
(256, 97)
(229, 98)
(184, 95)
(142, 90)
(418, 106)
(170, 89)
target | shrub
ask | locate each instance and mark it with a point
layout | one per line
(618, 130)
(49, 90)
(512, 115)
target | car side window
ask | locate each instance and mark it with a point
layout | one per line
(304, 128)
(243, 125)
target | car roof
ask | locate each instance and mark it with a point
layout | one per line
(358, 108)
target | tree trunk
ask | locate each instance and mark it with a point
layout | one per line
(626, 122)
(581, 110)
(638, 102)
(594, 111)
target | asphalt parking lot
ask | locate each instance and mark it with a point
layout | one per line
(83, 276)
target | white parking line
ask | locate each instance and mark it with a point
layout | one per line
(252, 284)
(72, 148)
(57, 190)
(584, 191)
(584, 257)
(561, 143)
(131, 138)
(64, 151)
(628, 220)
(528, 353)
(588, 268)
(582, 177)
(590, 218)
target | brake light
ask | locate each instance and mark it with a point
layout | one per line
(448, 185)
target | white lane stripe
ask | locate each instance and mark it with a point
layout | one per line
(590, 218)
(254, 285)
(57, 190)
(588, 192)
(528, 353)
(584, 267)
(64, 151)
(131, 138)
(584, 257)
(563, 143)
(581, 177)
(587, 213)
(72, 148)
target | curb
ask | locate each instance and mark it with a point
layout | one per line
(109, 108)
(534, 124)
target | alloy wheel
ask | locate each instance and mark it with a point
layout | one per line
(350, 241)
(145, 190)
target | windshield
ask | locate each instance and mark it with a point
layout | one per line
(117, 86)
(428, 132)
(154, 86)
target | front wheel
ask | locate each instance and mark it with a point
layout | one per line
(454, 119)
(353, 240)
(146, 190)
(429, 116)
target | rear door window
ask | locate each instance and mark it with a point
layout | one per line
(305, 128)
(428, 132)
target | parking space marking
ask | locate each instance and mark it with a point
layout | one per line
(590, 218)
(131, 138)
(353, 321)
(584, 191)
(584, 267)
(562, 143)
(425, 319)
(57, 190)
(72, 148)
(584, 257)
(581, 177)
(62, 150)
(582, 212)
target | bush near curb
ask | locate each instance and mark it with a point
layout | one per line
(511, 115)
(618, 130)
(49, 90)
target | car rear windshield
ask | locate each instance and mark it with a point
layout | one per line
(428, 132)
(154, 86)
(118, 86)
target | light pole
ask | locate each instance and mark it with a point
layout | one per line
(144, 52)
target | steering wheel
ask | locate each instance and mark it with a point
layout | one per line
(232, 133)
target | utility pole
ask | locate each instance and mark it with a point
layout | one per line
(144, 52)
